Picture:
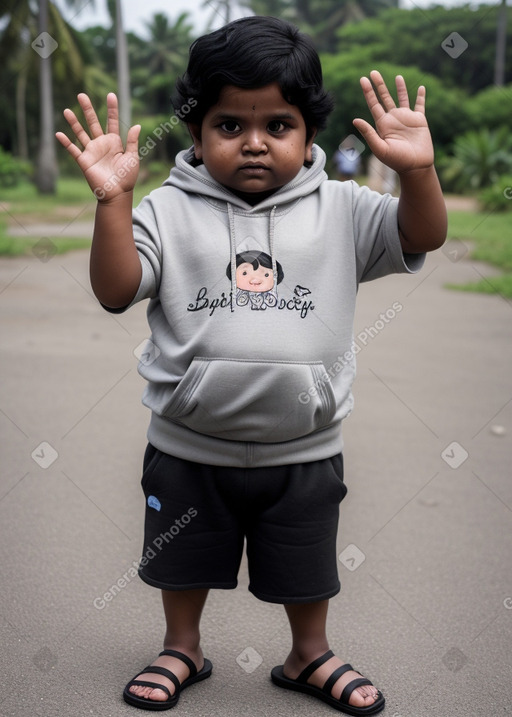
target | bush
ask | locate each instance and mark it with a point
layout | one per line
(498, 198)
(12, 169)
(490, 108)
(445, 107)
(479, 159)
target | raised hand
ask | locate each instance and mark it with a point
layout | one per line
(108, 167)
(401, 137)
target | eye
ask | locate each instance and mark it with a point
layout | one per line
(244, 273)
(276, 126)
(267, 275)
(230, 126)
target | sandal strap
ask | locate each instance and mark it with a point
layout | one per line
(184, 658)
(153, 685)
(331, 681)
(157, 670)
(308, 671)
(358, 682)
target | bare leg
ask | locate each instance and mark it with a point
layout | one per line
(183, 609)
(308, 626)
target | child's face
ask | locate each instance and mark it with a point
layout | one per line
(250, 279)
(252, 141)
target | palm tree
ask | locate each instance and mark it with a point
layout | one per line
(122, 66)
(162, 58)
(319, 18)
(501, 45)
(221, 12)
(29, 37)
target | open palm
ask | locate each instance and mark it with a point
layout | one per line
(401, 137)
(109, 168)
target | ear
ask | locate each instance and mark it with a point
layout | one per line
(309, 144)
(195, 133)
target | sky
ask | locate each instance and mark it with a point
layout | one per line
(137, 13)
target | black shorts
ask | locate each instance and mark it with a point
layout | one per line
(197, 517)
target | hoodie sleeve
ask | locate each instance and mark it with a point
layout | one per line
(377, 240)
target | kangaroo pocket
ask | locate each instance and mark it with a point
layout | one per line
(243, 400)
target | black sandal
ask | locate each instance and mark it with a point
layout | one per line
(147, 704)
(324, 693)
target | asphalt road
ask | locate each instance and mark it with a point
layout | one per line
(425, 537)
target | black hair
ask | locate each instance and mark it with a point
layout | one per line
(256, 258)
(253, 52)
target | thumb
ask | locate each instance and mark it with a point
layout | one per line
(376, 144)
(132, 138)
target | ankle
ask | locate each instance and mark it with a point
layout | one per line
(189, 645)
(307, 652)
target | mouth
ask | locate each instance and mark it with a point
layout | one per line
(254, 168)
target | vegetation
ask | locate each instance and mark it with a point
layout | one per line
(488, 235)
(469, 104)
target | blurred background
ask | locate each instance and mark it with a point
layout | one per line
(50, 51)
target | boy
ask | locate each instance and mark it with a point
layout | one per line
(245, 432)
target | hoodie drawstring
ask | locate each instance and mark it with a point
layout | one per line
(232, 247)
(271, 233)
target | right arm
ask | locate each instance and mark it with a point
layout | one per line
(111, 172)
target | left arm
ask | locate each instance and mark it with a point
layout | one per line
(401, 139)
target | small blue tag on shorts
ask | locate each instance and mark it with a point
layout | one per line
(153, 502)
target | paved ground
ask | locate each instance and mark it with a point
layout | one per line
(425, 538)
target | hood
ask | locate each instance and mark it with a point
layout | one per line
(198, 180)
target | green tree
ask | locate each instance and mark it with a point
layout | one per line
(160, 60)
(23, 52)
(445, 107)
(424, 38)
(320, 18)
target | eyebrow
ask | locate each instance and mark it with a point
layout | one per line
(223, 117)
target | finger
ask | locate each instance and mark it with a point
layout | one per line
(132, 138)
(90, 115)
(420, 99)
(372, 101)
(68, 144)
(377, 145)
(401, 90)
(382, 89)
(112, 113)
(76, 127)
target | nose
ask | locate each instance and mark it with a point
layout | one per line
(254, 142)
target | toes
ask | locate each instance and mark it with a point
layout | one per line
(363, 697)
(149, 693)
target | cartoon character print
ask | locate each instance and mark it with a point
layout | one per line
(255, 281)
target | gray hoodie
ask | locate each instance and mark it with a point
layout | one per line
(256, 374)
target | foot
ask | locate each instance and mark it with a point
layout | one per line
(364, 696)
(175, 665)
